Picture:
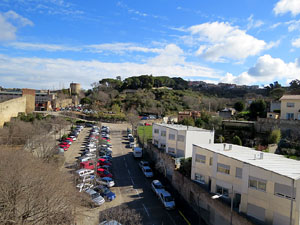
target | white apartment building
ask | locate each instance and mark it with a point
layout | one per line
(261, 182)
(177, 140)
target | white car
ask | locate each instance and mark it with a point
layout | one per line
(107, 181)
(157, 187)
(143, 163)
(84, 186)
(147, 171)
(167, 200)
(73, 137)
(84, 172)
(96, 197)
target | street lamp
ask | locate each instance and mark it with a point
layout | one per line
(231, 202)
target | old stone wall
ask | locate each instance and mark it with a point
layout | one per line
(12, 108)
(62, 103)
(290, 127)
(30, 99)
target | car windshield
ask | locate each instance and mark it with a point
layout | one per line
(145, 163)
(148, 170)
(169, 199)
(158, 186)
(95, 195)
(106, 191)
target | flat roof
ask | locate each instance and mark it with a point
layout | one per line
(180, 127)
(271, 162)
(290, 97)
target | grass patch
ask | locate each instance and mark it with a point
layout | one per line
(144, 133)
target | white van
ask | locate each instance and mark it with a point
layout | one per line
(137, 152)
(84, 172)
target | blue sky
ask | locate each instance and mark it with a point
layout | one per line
(46, 44)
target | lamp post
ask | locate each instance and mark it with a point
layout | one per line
(292, 200)
(231, 202)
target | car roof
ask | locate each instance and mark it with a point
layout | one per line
(156, 182)
(165, 193)
(80, 170)
(146, 167)
(107, 178)
(90, 191)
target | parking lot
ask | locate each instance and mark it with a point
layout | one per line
(132, 187)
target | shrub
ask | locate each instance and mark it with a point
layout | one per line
(236, 140)
(275, 137)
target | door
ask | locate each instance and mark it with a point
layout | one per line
(209, 184)
(237, 200)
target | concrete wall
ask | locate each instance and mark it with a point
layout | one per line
(11, 108)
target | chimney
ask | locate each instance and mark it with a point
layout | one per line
(259, 155)
(224, 146)
(230, 147)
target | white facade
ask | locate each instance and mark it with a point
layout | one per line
(261, 182)
(177, 140)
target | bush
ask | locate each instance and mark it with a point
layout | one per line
(236, 140)
(275, 137)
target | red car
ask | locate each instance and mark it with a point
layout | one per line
(103, 162)
(70, 139)
(103, 173)
(147, 124)
(64, 147)
(88, 165)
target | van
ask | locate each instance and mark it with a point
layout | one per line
(137, 152)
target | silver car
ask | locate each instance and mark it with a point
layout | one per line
(96, 197)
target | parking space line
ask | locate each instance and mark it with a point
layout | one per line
(146, 210)
(132, 181)
(125, 164)
(186, 220)
(129, 172)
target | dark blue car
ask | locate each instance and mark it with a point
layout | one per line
(105, 192)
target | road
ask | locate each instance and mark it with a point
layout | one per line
(132, 188)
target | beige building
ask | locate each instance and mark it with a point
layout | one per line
(177, 140)
(261, 183)
(290, 107)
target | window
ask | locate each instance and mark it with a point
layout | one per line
(163, 146)
(171, 150)
(171, 136)
(200, 158)
(163, 133)
(210, 161)
(290, 104)
(222, 191)
(156, 131)
(284, 191)
(180, 153)
(257, 183)
(289, 116)
(155, 142)
(180, 138)
(238, 172)
(199, 178)
(222, 168)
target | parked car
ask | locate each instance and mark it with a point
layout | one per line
(167, 200)
(105, 192)
(103, 173)
(103, 162)
(95, 196)
(84, 186)
(147, 171)
(73, 137)
(107, 181)
(88, 165)
(157, 187)
(143, 163)
(84, 172)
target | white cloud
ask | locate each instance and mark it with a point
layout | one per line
(121, 48)
(48, 73)
(285, 6)
(253, 23)
(296, 43)
(225, 42)
(9, 22)
(293, 25)
(45, 47)
(266, 69)
(22, 21)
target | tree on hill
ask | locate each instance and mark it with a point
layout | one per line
(189, 121)
(257, 108)
(239, 106)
